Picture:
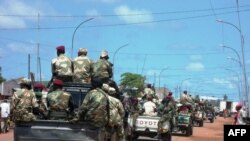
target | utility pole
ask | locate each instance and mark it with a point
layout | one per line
(28, 66)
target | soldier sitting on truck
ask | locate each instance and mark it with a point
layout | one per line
(149, 107)
(60, 104)
(41, 96)
(24, 102)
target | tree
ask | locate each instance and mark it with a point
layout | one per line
(2, 79)
(130, 80)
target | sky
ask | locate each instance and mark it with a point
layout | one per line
(173, 43)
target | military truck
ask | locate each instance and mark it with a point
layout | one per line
(148, 126)
(54, 130)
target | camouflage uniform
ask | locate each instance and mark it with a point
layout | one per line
(94, 108)
(62, 68)
(23, 103)
(82, 67)
(132, 106)
(60, 105)
(117, 114)
(102, 69)
(166, 112)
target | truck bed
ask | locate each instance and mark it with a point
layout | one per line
(54, 130)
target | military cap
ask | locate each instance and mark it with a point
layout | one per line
(58, 82)
(60, 48)
(104, 53)
(25, 81)
(83, 50)
(39, 86)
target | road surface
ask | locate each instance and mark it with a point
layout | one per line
(209, 132)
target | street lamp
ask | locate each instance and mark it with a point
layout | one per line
(160, 75)
(239, 85)
(114, 57)
(234, 50)
(243, 57)
(75, 32)
(233, 59)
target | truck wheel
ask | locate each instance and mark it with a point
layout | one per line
(167, 136)
(189, 131)
(212, 120)
(201, 123)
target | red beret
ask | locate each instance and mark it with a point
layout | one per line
(60, 48)
(39, 85)
(58, 82)
(239, 105)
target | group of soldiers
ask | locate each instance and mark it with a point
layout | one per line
(101, 106)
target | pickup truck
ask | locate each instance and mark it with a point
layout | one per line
(148, 126)
(55, 130)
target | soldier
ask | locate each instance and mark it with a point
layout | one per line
(41, 95)
(24, 102)
(117, 114)
(132, 105)
(166, 112)
(82, 67)
(186, 100)
(62, 66)
(103, 70)
(149, 107)
(94, 106)
(60, 103)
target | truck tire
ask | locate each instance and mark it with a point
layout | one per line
(201, 123)
(212, 120)
(166, 136)
(189, 131)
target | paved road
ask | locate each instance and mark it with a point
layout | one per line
(209, 132)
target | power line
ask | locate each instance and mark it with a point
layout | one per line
(115, 15)
(126, 24)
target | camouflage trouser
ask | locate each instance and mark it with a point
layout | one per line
(134, 117)
(163, 118)
(23, 115)
(118, 131)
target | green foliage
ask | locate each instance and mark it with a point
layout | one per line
(130, 80)
(2, 79)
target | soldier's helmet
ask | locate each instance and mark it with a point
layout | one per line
(104, 53)
(83, 50)
(25, 81)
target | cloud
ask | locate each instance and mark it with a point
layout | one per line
(22, 48)
(224, 82)
(195, 66)
(15, 7)
(133, 15)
